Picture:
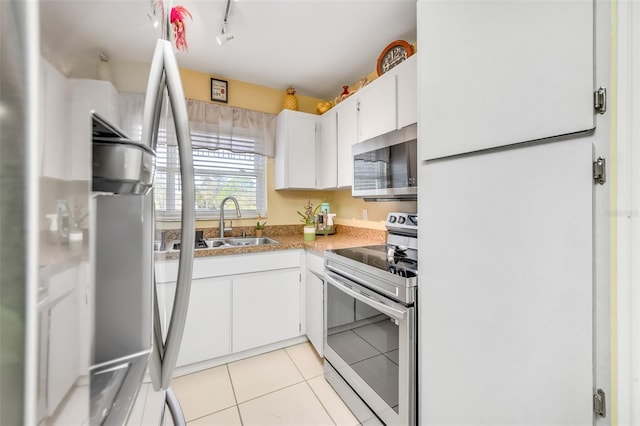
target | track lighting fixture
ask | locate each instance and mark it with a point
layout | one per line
(152, 14)
(225, 35)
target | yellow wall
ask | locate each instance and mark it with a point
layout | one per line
(281, 205)
(242, 94)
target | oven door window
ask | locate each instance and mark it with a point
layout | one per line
(367, 340)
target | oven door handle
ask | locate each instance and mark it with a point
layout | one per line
(394, 313)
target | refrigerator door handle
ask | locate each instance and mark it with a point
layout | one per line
(150, 121)
(153, 99)
(187, 238)
(164, 72)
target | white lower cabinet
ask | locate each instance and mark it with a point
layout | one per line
(237, 302)
(59, 333)
(314, 301)
(207, 332)
(266, 308)
(63, 349)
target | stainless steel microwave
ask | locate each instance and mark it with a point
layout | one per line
(385, 168)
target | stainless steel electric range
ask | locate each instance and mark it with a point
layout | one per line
(370, 340)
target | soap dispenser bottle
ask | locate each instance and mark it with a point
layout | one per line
(53, 236)
(63, 220)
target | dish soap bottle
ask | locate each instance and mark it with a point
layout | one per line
(63, 220)
(53, 236)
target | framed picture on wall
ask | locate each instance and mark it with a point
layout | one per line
(219, 90)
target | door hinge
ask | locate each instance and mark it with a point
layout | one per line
(600, 100)
(600, 171)
(600, 403)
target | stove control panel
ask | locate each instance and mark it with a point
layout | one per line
(402, 222)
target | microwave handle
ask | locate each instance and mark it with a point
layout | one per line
(396, 314)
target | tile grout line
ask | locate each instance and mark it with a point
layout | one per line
(233, 389)
(271, 392)
(294, 364)
(311, 387)
(225, 408)
(326, 410)
(304, 380)
(268, 393)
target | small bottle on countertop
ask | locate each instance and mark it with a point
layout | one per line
(53, 236)
(320, 222)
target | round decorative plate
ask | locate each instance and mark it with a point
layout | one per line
(396, 52)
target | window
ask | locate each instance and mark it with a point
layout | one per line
(218, 173)
(230, 148)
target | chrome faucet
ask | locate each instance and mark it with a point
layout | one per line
(238, 214)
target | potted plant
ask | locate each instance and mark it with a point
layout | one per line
(309, 219)
(259, 227)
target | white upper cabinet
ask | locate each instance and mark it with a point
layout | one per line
(497, 73)
(347, 112)
(389, 102)
(377, 107)
(54, 139)
(295, 162)
(86, 96)
(327, 153)
(407, 91)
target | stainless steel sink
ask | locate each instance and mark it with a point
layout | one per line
(249, 241)
(213, 243)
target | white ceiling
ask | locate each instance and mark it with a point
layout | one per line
(317, 46)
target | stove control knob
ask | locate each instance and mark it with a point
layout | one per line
(392, 219)
(401, 220)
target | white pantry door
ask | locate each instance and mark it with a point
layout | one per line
(505, 291)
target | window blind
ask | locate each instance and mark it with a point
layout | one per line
(229, 148)
(218, 173)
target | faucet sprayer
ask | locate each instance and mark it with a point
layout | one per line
(238, 214)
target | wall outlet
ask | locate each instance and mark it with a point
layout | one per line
(365, 214)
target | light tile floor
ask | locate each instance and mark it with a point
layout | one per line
(283, 387)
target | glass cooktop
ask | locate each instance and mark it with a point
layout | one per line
(384, 257)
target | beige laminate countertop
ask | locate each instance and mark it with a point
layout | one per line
(286, 242)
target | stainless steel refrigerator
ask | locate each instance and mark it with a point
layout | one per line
(80, 332)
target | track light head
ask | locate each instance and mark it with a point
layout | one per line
(224, 36)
